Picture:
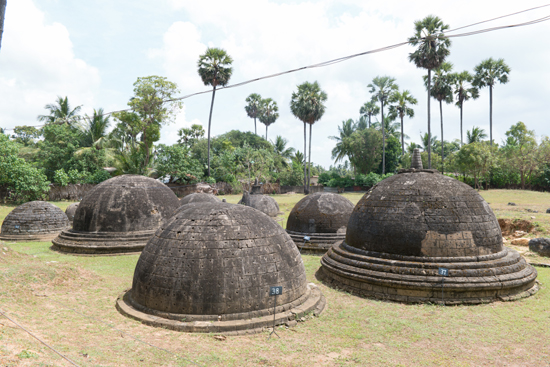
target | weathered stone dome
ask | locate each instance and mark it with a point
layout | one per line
(264, 203)
(34, 221)
(199, 197)
(119, 215)
(413, 223)
(210, 268)
(70, 211)
(322, 217)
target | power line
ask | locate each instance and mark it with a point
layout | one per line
(345, 58)
(40, 340)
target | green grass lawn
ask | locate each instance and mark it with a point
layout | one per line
(55, 295)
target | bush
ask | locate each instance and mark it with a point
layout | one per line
(324, 178)
(210, 180)
(98, 177)
(60, 177)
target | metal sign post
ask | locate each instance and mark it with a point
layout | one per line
(306, 239)
(274, 292)
(444, 272)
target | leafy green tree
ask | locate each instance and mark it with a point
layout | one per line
(433, 48)
(308, 105)
(176, 163)
(382, 87)
(57, 148)
(26, 135)
(253, 107)
(268, 113)
(189, 136)
(476, 159)
(364, 147)
(521, 151)
(441, 90)
(61, 112)
(215, 70)
(369, 109)
(400, 107)
(463, 91)
(476, 135)
(393, 153)
(488, 72)
(154, 103)
(19, 178)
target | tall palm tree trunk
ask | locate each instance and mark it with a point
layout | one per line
(309, 159)
(383, 139)
(255, 130)
(402, 138)
(429, 127)
(2, 13)
(265, 132)
(442, 146)
(209, 123)
(461, 139)
(369, 119)
(306, 191)
(491, 114)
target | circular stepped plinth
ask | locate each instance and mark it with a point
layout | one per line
(34, 221)
(118, 216)
(210, 268)
(502, 276)
(318, 242)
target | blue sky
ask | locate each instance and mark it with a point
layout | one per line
(93, 51)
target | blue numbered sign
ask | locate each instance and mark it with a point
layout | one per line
(443, 272)
(306, 238)
(275, 291)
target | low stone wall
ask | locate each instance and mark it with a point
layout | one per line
(71, 192)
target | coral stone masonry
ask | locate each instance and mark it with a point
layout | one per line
(34, 221)
(210, 269)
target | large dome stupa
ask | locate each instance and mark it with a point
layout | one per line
(323, 217)
(118, 216)
(411, 225)
(210, 269)
(34, 221)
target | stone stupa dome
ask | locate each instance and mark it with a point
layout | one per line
(34, 221)
(199, 197)
(264, 203)
(70, 211)
(411, 224)
(323, 217)
(210, 268)
(117, 216)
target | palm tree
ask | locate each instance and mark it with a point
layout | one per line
(368, 109)
(433, 48)
(382, 87)
(95, 131)
(476, 135)
(253, 107)
(427, 138)
(307, 104)
(463, 91)
(298, 157)
(214, 69)
(400, 102)
(60, 112)
(339, 152)
(281, 149)
(412, 146)
(488, 72)
(442, 91)
(268, 113)
(390, 127)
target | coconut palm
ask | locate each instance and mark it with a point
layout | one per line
(400, 107)
(215, 70)
(488, 72)
(476, 135)
(268, 113)
(382, 87)
(369, 109)
(464, 91)
(390, 127)
(339, 152)
(307, 105)
(253, 107)
(412, 146)
(433, 48)
(94, 131)
(60, 112)
(281, 149)
(441, 89)
(427, 138)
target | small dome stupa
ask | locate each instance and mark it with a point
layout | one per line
(322, 217)
(118, 216)
(210, 269)
(34, 221)
(419, 233)
(264, 203)
(199, 197)
(70, 211)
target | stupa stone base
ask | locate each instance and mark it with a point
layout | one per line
(318, 242)
(502, 276)
(101, 243)
(228, 324)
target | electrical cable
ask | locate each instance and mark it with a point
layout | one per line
(37, 338)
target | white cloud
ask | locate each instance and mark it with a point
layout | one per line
(37, 64)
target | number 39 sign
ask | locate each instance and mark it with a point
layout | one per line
(275, 291)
